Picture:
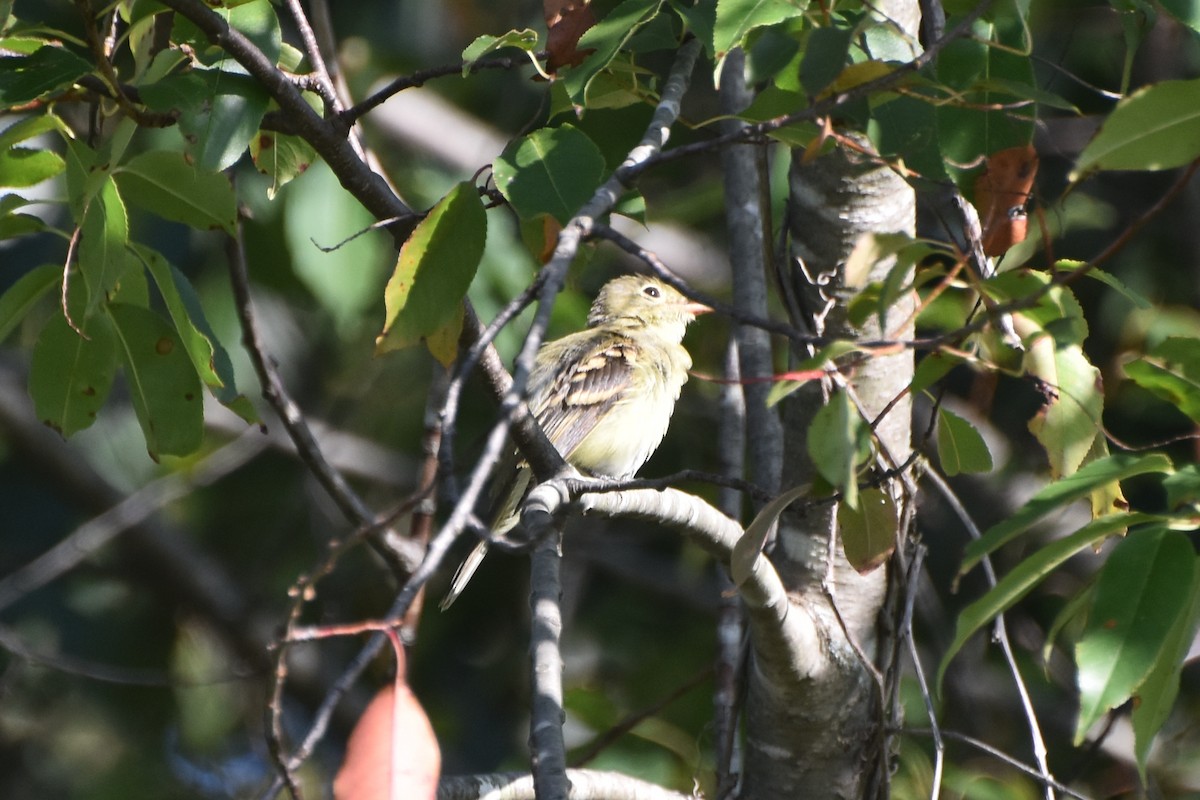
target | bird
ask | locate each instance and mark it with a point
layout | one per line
(603, 395)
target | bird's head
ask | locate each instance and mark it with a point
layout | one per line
(640, 301)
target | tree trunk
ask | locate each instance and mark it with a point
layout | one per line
(815, 725)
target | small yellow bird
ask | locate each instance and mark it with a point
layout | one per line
(604, 395)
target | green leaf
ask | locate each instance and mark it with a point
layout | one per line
(219, 112)
(906, 128)
(1171, 371)
(1056, 312)
(837, 436)
(1107, 278)
(254, 18)
(1058, 495)
(1143, 589)
(163, 384)
(209, 358)
(744, 560)
(1011, 588)
(434, 270)
(104, 234)
(27, 128)
(1070, 420)
(341, 268)
(825, 54)
(736, 18)
(1156, 127)
(165, 184)
(281, 157)
(551, 171)
(1157, 693)
(607, 37)
(46, 70)
(1185, 11)
(24, 294)
(869, 531)
(70, 376)
(1183, 486)
(21, 166)
(932, 368)
(525, 39)
(971, 66)
(960, 447)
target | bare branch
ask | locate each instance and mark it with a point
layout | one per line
(327, 139)
(584, 785)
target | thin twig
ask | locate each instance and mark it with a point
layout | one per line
(939, 747)
(1000, 632)
(353, 508)
(419, 78)
(1000, 755)
(631, 721)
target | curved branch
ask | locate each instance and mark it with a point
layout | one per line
(784, 632)
(585, 784)
(327, 139)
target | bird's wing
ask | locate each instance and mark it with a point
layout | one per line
(582, 390)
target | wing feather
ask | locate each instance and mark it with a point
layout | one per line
(579, 396)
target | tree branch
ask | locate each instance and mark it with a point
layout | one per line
(328, 140)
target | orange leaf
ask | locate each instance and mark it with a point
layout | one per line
(566, 21)
(392, 753)
(1001, 194)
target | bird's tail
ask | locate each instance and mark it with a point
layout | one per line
(464, 573)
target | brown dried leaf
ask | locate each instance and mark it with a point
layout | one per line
(566, 21)
(392, 753)
(1001, 193)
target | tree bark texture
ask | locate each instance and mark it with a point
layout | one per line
(815, 725)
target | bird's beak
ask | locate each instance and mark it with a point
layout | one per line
(696, 309)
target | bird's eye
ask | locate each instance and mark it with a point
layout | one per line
(652, 291)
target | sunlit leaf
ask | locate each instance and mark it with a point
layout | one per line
(736, 18)
(434, 270)
(1156, 127)
(1019, 581)
(1171, 371)
(22, 166)
(808, 368)
(281, 158)
(551, 171)
(960, 446)
(1059, 494)
(1070, 420)
(25, 293)
(525, 39)
(1144, 587)
(606, 37)
(392, 753)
